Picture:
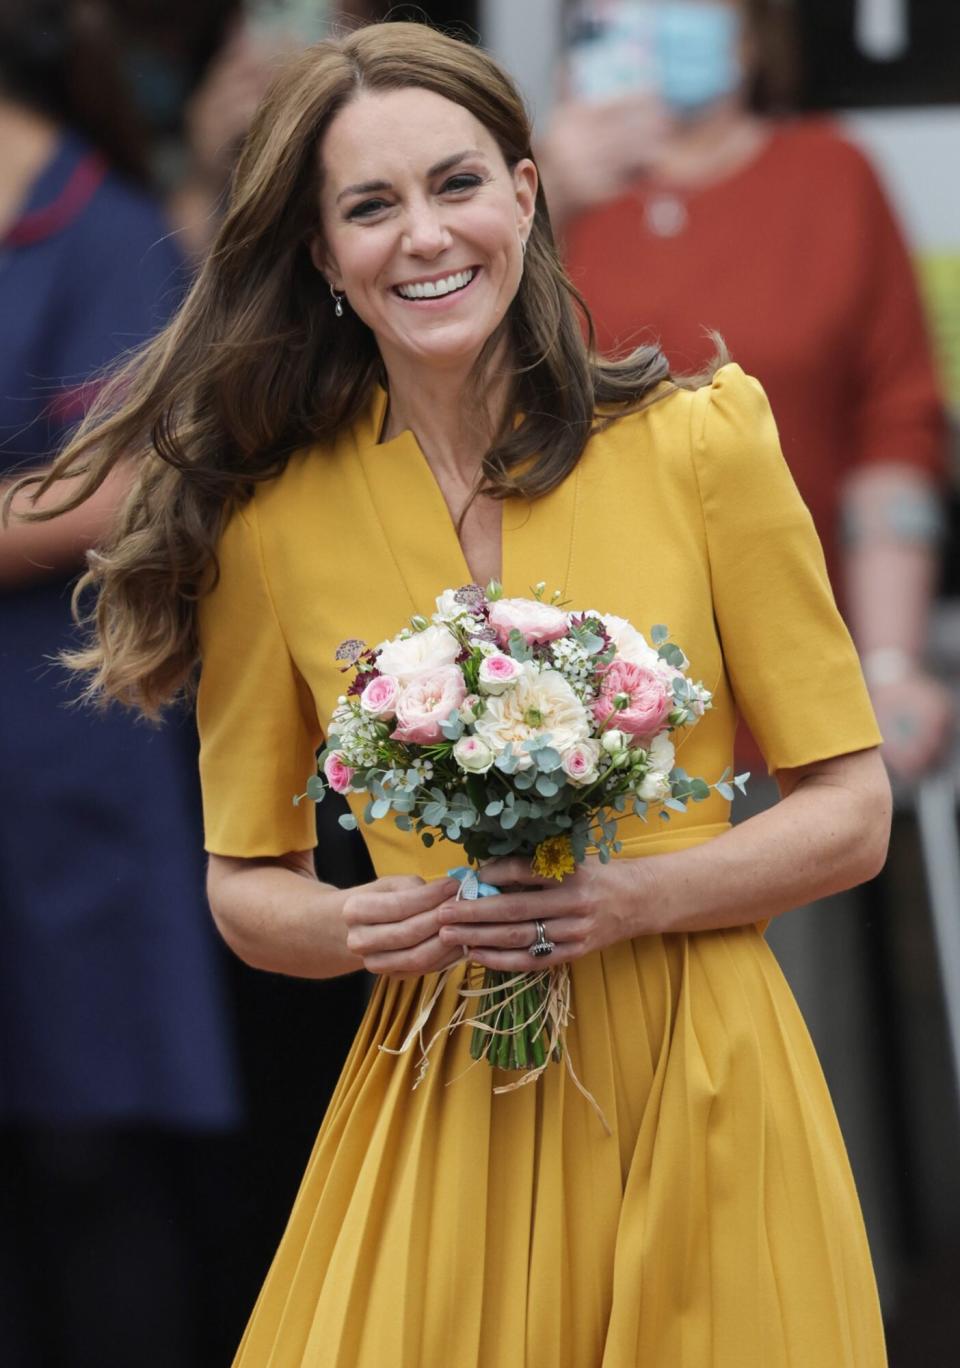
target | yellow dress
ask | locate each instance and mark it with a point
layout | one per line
(718, 1227)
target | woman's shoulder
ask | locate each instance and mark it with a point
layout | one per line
(817, 147)
(677, 414)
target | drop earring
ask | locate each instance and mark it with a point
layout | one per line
(337, 302)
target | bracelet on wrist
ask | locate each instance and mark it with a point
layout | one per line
(887, 665)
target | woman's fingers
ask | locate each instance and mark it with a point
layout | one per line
(569, 931)
(429, 957)
(510, 907)
(371, 904)
(368, 938)
(513, 870)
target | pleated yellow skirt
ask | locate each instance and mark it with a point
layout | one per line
(718, 1227)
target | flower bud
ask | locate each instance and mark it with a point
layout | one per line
(613, 741)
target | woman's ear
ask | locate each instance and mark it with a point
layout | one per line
(320, 259)
(525, 182)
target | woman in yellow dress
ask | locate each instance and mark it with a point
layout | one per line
(376, 390)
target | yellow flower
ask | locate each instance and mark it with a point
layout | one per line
(553, 858)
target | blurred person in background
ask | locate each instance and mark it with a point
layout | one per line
(113, 1040)
(688, 203)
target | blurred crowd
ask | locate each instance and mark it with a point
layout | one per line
(157, 1099)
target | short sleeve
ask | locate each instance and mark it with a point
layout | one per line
(257, 724)
(790, 660)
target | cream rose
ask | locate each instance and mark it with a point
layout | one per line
(540, 702)
(473, 755)
(406, 657)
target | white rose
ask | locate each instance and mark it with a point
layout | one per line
(630, 644)
(654, 787)
(405, 658)
(581, 762)
(470, 709)
(473, 755)
(662, 753)
(540, 702)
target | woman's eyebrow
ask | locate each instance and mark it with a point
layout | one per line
(438, 168)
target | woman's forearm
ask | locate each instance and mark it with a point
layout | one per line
(889, 571)
(280, 919)
(829, 833)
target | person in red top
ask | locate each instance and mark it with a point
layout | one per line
(687, 211)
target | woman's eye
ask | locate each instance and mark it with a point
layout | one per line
(367, 208)
(464, 181)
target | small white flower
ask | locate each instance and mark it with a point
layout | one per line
(470, 709)
(654, 787)
(449, 609)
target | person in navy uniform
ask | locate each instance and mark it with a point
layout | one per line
(113, 1024)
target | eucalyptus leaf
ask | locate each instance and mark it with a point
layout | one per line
(380, 808)
(316, 788)
(403, 822)
(494, 808)
(659, 634)
(347, 821)
(549, 759)
(725, 791)
(428, 838)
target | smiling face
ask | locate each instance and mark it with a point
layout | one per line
(423, 224)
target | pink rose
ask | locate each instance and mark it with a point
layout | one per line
(379, 698)
(581, 762)
(498, 672)
(647, 698)
(534, 621)
(338, 774)
(426, 702)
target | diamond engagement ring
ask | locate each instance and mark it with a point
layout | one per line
(541, 946)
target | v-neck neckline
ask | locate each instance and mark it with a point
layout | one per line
(536, 536)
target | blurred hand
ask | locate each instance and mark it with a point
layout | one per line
(916, 716)
(592, 908)
(221, 109)
(393, 925)
(591, 152)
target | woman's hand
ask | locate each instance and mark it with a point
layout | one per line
(592, 908)
(916, 716)
(393, 925)
(591, 151)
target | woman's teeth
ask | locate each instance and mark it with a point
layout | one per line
(433, 289)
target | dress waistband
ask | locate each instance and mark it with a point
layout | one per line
(679, 838)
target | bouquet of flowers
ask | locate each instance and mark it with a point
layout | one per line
(514, 726)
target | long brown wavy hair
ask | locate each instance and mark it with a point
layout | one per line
(255, 366)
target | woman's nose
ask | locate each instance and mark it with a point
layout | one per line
(425, 233)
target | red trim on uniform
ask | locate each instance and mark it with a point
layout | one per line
(83, 183)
